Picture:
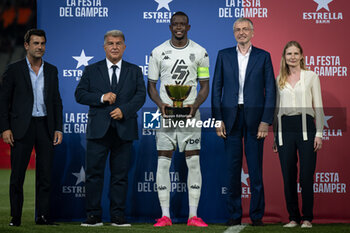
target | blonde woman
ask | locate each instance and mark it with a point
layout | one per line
(298, 131)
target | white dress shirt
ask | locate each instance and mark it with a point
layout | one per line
(242, 66)
(110, 69)
(110, 72)
(304, 98)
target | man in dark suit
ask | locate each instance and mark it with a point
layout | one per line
(114, 89)
(31, 115)
(243, 98)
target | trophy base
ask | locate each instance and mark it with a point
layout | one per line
(177, 113)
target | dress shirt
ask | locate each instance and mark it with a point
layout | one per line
(110, 69)
(304, 98)
(110, 72)
(39, 108)
(242, 66)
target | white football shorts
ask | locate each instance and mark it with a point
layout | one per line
(186, 135)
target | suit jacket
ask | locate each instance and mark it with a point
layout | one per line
(17, 99)
(131, 94)
(259, 92)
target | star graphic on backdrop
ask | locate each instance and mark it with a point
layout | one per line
(163, 4)
(156, 115)
(322, 4)
(80, 176)
(82, 59)
(244, 177)
(326, 118)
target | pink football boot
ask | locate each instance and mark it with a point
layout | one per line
(163, 221)
(195, 221)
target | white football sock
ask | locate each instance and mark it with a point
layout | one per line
(165, 211)
(194, 183)
(193, 211)
(163, 184)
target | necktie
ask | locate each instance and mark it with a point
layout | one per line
(114, 78)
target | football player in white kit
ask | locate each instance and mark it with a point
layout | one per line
(183, 62)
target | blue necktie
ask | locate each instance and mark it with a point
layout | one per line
(114, 78)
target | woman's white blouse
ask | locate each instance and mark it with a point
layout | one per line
(304, 98)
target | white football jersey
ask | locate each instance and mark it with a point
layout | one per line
(182, 66)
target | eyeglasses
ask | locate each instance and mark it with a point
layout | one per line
(238, 30)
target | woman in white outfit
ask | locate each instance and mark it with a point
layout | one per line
(298, 131)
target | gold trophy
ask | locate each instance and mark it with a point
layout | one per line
(178, 93)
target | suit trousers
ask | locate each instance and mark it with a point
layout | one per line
(96, 155)
(254, 155)
(38, 136)
(293, 144)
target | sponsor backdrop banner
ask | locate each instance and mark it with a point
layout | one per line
(75, 30)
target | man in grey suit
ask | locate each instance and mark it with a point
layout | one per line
(114, 90)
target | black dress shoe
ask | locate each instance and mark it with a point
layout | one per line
(92, 221)
(15, 222)
(257, 223)
(42, 220)
(118, 221)
(233, 222)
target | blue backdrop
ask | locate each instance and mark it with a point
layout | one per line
(75, 30)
